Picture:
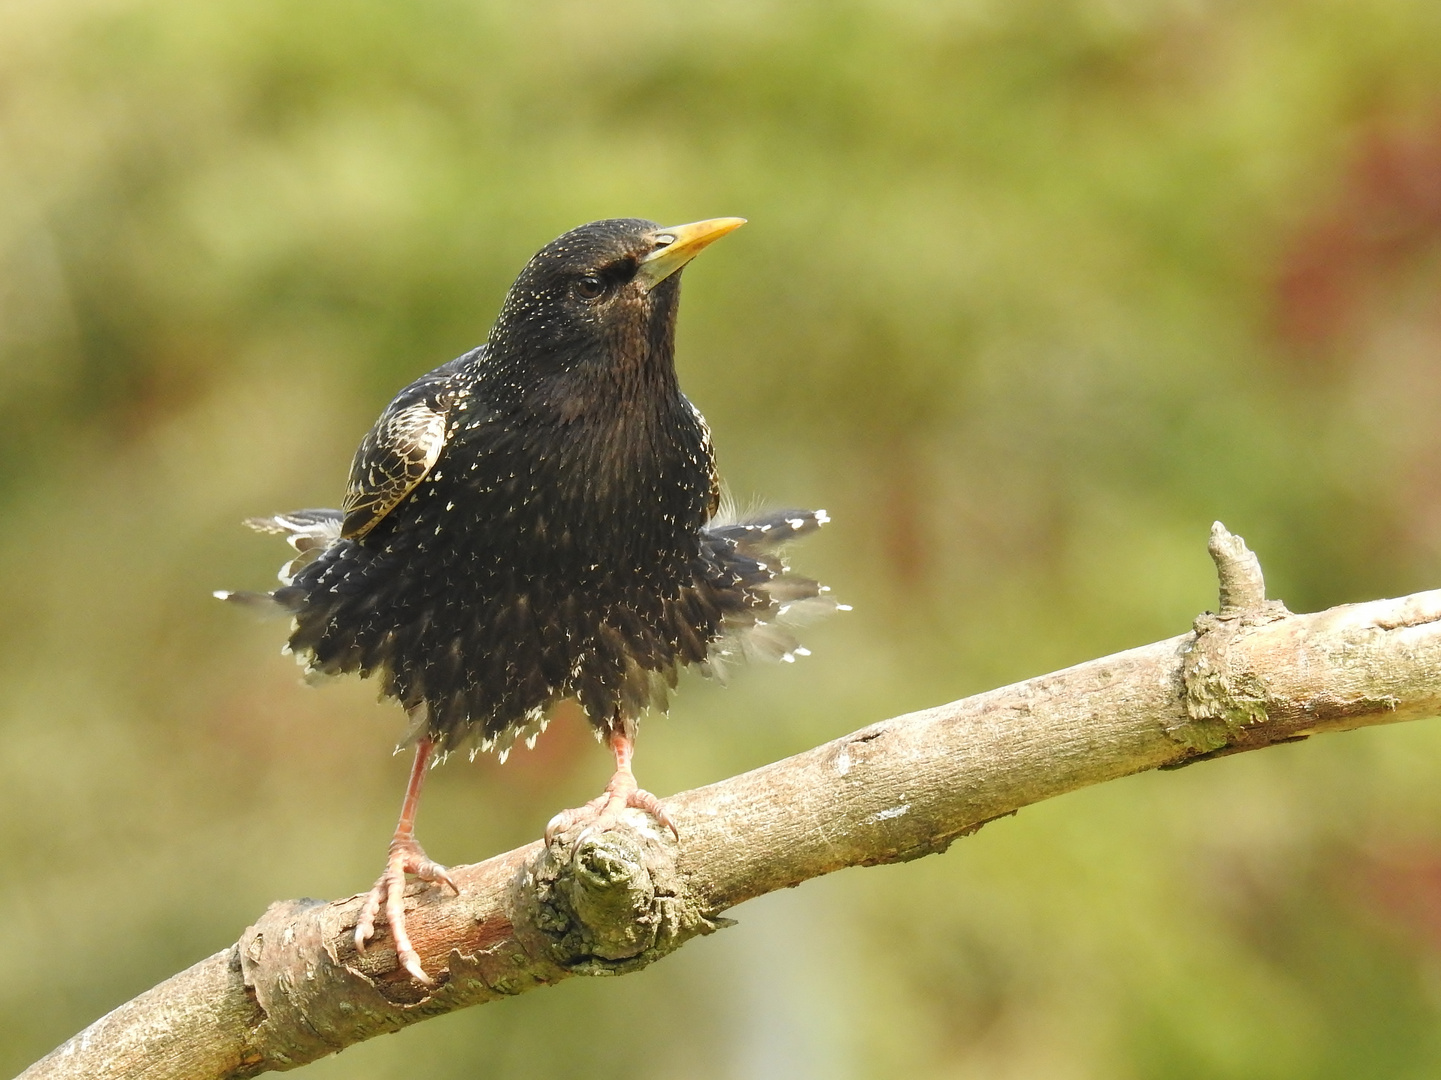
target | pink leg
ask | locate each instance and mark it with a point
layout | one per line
(406, 857)
(621, 792)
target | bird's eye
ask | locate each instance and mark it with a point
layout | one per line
(589, 287)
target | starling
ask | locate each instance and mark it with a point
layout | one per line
(541, 519)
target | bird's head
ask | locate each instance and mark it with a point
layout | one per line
(602, 298)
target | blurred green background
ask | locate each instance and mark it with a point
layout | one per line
(1032, 292)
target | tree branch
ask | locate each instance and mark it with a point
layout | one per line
(293, 988)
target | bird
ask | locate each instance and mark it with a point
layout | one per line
(541, 519)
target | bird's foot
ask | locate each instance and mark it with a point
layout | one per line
(406, 857)
(604, 810)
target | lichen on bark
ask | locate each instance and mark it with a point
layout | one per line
(613, 902)
(1222, 699)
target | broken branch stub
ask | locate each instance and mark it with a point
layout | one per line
(1223, 696)
(613, 902)
(1243, 587)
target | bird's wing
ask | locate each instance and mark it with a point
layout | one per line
(715, 496)
(398, 452)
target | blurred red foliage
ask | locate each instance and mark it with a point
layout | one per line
(1387, 213)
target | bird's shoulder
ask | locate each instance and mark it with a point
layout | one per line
(404, 444)
(707, 456)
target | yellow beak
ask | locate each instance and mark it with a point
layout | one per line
(680, 244)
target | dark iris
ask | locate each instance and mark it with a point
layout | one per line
(590, 287)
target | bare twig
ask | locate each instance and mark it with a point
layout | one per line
(1253, 675)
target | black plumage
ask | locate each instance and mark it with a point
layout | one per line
(541, 518)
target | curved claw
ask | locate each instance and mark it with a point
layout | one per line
(644, 800)
(568, 819)
(604, 810)
(406, 857)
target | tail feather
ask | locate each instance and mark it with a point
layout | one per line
(258, 602)
(749, 549)
(308, 531)
(769, 530)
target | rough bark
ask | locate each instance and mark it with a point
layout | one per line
(293, 988)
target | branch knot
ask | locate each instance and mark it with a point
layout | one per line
(612, 902)
(1220, 701)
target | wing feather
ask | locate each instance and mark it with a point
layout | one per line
(715, 495)
(399, 451)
